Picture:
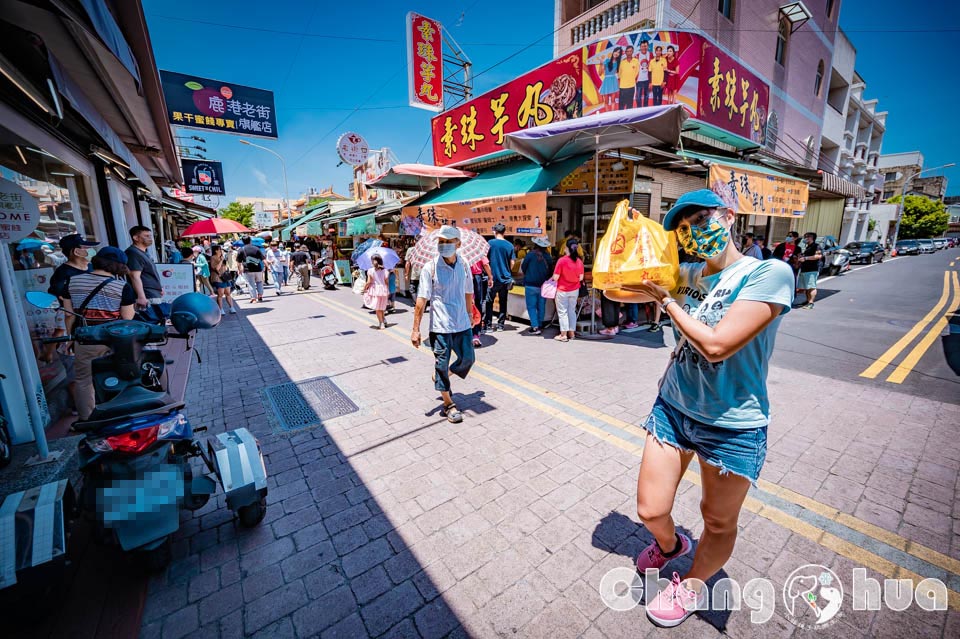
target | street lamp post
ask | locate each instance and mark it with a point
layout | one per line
(903, 197)
(283, 165)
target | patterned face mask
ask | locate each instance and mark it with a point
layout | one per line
(705, 241)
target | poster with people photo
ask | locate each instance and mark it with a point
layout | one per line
(639, 69)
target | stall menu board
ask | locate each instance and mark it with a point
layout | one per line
(478, 127)
(758, 193)
(612, 180)
(212, 105)
(523, 214)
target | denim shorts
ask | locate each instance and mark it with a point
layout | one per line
(741, 452)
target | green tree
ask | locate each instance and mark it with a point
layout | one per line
(237, 212)
(922, 217)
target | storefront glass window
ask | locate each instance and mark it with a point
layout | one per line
(61, 193)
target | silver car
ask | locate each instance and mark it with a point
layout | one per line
(926, 246)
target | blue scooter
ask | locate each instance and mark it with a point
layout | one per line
(138, 445)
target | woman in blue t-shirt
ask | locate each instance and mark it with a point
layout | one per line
(713, 396)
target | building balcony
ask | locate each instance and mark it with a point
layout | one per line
(873, 157)
(608, 18)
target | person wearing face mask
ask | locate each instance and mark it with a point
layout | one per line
(712, 400)
(78, 252)
(446, 283)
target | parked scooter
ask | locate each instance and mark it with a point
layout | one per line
(328, 277)
(135, 457)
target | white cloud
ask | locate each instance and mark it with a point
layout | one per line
(261, 177)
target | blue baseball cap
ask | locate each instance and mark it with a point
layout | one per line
(689, 202)
(112, 254)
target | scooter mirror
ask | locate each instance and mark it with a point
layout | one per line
(42, 300)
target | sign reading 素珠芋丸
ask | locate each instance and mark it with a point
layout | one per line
(202, 176)
(759, 193)
(19, 212)
(424, 62)
(478, 127)
(730, 97)
(522, 214)
(211, 105)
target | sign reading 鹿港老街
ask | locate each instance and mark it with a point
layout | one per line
(522, 214)
(211, 105)
(202, 176)
(19, 212)
(424, 62)
(759, 193)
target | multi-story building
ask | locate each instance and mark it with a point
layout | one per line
(852, 136)
(900, 167)
(785, 44)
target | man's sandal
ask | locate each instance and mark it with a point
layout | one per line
(452, 413)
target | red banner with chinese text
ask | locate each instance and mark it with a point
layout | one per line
(547, 94)
(522, 214)
(424, 62)
(730, 97)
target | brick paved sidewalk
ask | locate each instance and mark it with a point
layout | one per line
(391, 522)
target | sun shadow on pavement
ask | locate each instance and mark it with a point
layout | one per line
(330, 556)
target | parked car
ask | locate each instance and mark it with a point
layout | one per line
(866, 252)
(940, 243)
(908, 247)
(952, 241)
(926, 246)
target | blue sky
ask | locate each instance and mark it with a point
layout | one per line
(356, 80)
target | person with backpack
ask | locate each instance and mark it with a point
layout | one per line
(100, 296)
(250, 262)
(537, 267)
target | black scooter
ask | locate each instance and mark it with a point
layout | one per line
(138, 445)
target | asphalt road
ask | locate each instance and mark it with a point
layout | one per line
(875, 314)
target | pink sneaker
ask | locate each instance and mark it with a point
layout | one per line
(675, 603)
(652, 557)
(630, 325)
(608, 331)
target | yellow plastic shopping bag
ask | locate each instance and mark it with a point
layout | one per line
(634, 249)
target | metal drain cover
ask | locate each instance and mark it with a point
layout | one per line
(299, 405)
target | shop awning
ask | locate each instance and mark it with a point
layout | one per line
(599, 132)
(839, 186)
(287, 232)
(417, 177)
(522, 176)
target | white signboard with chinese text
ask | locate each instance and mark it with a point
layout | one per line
(352, 148)
(176, 279)
(19, 212)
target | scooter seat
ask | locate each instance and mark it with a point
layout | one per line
(133, 399)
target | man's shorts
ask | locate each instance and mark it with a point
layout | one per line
(807, 280)
(732, 450)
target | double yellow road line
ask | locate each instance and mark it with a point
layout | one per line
(908, 363)
(548, 402)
